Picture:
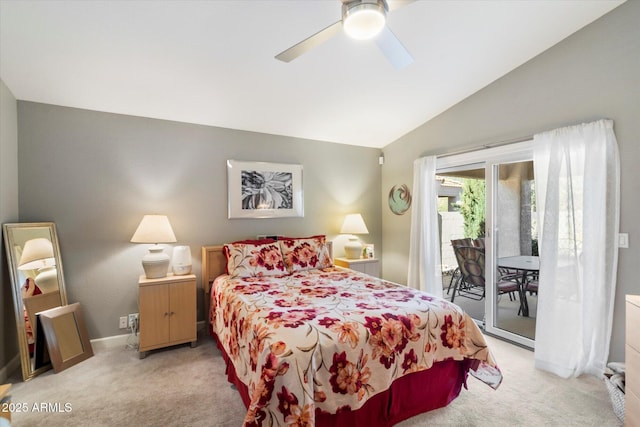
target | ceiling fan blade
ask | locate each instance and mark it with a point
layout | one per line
(393, 49)
(310, 42)
(397, 4)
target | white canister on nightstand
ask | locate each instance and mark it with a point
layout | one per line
(181, 260)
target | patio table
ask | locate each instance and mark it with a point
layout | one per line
(524, 264)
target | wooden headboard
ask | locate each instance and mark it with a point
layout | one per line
(214, 264)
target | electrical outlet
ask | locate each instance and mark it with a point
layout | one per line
(623, 240)
(133, 318)
(123, 322)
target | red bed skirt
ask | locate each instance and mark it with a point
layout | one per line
(408, 396)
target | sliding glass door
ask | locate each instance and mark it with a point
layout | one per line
(461, 210)
(487, 199)
(511, 254)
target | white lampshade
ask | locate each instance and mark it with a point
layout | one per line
(353, 224)
(154, 229)
(364, 20)
(37, 253)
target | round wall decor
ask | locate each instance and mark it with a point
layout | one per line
(399, 199)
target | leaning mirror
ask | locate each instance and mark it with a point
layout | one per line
(33, 256)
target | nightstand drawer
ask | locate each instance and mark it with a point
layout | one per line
(632, 363)
(368, 266)
(631, 409)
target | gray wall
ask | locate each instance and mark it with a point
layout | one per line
(96, 174)
(593, 74)
(8, 213)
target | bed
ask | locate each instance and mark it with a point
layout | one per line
(308, 343)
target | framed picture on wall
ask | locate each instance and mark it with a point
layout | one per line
(264, 190)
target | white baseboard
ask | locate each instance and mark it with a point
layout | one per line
(9, 368)
(109, 342)
(120, 340)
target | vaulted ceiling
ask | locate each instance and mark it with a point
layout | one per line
(212, 62)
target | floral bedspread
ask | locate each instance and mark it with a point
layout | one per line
(330, 339)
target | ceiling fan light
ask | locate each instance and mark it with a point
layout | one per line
(364, 20)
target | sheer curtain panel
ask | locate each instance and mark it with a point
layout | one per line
(577, 172)
(424, 244)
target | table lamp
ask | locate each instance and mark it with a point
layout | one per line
(154, 229)
(353, 224)
(37, 254)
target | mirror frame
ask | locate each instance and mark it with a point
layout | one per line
(8, 229)
(66, 335)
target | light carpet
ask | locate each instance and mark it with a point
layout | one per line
(183, 386)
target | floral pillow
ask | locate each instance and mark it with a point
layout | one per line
(305, 253)
(254, 258)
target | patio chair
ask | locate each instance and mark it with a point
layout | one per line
(455, 275)
(532, 283)
(471, 283)
(508, 283)
(471, 261)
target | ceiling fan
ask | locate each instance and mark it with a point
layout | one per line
(361, 20)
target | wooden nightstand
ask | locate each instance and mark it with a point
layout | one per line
(368, 266)
(5, 400)
(167, 312)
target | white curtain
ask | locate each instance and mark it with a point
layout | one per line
(424, 244)
(577, 172)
